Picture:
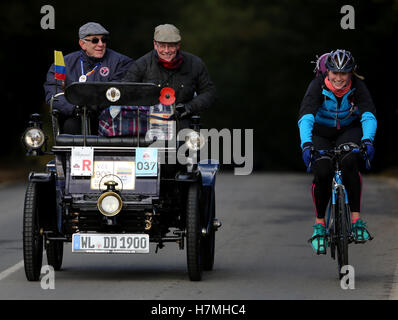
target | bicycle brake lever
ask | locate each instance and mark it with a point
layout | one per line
(368, 166)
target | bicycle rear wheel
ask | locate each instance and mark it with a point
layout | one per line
(342, 230)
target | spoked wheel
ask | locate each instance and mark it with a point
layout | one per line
(209, 240)
(194, 234)
(342, 228)
(55, 252)
(32, 239)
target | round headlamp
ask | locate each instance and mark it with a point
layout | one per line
(109, 204)
(34, 138)
(195, 141)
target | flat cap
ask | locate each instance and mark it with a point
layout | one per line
(91, 28)
(167, 33)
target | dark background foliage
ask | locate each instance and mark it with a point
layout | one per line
(258, 53)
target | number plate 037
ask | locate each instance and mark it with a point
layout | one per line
(146, 162)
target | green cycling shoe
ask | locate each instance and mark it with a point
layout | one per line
(318, 240)
(360, 232)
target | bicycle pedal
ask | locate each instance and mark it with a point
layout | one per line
(363, 241)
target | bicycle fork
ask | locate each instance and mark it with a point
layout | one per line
(331, 219)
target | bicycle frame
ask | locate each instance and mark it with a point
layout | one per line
(339, 232)
(337, 182)
(339, 228)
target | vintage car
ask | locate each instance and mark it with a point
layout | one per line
(119, 194)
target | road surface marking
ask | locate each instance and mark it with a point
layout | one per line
(11, 270)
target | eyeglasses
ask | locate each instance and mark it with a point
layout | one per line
(96, 40)
(164, 45)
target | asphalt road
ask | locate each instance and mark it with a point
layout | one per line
(261, 251)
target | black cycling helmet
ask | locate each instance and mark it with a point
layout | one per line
(340, 61)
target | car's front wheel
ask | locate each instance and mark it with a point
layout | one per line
(32, 239)
(193, 234)
(209, 240)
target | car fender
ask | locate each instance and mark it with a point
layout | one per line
(46, 198)
(208, 169)
(41, 177)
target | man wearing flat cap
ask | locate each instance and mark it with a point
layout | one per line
(93, 63)
(168, 66)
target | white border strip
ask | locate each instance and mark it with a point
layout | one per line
(394, 290)
(11, 270)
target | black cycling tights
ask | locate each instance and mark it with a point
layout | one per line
(322, 184)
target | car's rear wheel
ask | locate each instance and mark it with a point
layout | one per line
(32, 239)
(55, 252)
(193, 234)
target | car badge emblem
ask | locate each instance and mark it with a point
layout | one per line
(113, 94)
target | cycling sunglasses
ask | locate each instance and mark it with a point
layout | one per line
(96, 40)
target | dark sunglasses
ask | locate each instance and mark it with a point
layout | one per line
(96, 40)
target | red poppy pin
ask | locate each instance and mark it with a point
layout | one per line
(167, 96)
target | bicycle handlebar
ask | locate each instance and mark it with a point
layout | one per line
(337, 151)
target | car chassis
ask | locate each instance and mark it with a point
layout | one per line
(176, 203)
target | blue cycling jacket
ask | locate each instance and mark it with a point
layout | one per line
(320, 106)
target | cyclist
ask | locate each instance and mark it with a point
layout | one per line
(337, 108)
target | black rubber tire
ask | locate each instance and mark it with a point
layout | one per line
(55, 252)
(341, 231)
(209, 241)
(193, 234)
(32, 240)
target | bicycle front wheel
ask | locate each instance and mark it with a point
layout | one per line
(342, 230)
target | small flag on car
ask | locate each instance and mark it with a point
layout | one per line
(59, 65)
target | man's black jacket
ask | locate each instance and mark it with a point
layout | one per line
(190, 81)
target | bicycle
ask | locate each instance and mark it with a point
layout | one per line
(339, 233)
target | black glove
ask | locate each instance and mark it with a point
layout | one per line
(367, 145)
(307, 155)
(182, 111)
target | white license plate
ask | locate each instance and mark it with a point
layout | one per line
(110, 243)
